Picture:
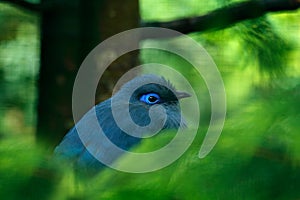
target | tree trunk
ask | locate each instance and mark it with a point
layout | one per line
(70, 31)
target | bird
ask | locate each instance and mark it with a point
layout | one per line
(138, 96)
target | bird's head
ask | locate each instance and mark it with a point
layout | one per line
(149, 91)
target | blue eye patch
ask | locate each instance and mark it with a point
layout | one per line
(150, 98)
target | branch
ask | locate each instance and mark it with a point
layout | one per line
(227, 16)
(35, 7)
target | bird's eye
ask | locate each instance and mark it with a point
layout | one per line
(150, 98)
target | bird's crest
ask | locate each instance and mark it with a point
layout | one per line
(149, 78)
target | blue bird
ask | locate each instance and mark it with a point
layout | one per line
(139, 95)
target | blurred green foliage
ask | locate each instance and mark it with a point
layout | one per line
(19, 63)
(24, 171)
(256, 157)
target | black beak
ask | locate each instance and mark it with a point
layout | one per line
(181, 95)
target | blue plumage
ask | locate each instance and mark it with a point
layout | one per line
(142, 97)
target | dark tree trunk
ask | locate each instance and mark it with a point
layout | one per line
(70, 30)
(114, 17)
